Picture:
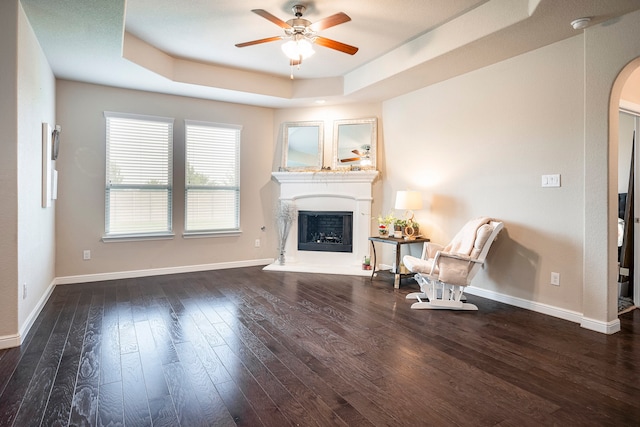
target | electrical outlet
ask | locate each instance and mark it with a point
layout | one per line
(24, 291)
(86, 254)
(257, 243)
(555, 279)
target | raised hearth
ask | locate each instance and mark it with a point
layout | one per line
(340, 192)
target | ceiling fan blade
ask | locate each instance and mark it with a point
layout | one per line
(330, 21)
(266, 15)
(251, 43)
(332, 44)
(351, 159)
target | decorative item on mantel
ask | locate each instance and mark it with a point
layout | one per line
(285, 215)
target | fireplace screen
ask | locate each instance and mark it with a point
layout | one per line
(325, 231)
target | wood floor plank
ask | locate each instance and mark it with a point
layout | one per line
(260, 401)
(166, 349)
(33, 405)
(110, 405)
(184, 396)
(84, 407)
(211, 403)
(238, 406)
(110, 369)
(136, 405)
(23, 373)
(60, 400)
(161, 406)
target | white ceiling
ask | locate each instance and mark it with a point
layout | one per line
(187, 47)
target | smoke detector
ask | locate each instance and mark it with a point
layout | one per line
(580, 23)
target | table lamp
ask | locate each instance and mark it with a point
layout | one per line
(409, 201)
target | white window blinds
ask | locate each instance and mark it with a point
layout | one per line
(212, 181)
(138, 174)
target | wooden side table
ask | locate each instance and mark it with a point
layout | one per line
(394, 241)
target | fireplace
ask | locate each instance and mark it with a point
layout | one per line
(325, 231)
(335, 193)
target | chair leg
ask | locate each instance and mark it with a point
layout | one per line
(416, 295)
(439, 295)
(443, 305)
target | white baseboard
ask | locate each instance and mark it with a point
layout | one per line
(572, 316)
(602, 327)
(26, 326)
(9, 341)
(67, 280)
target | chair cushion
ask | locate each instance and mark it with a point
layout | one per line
(481, 238)
(453, 271)
(418, 265)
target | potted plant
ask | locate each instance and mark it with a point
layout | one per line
(385, 223)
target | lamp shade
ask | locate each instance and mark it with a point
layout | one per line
(408, 200)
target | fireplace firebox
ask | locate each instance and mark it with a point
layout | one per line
(325, 231)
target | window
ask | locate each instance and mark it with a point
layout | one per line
(212, 181)
(138, 175)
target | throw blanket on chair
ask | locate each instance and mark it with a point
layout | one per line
(453, 271)
(462, 242)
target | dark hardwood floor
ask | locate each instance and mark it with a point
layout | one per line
(253, 348)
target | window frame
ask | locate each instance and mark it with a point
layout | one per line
(212, 232)
(139, 235)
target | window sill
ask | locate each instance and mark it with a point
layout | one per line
(205, 234)
(137, 237)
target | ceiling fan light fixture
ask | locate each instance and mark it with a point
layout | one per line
(297, 49)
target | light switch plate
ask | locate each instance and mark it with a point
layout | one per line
(551, 180)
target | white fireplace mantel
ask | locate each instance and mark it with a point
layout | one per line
(363, 176)
(328, 191)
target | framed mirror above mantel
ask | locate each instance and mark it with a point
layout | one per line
(302, 145)
(354, 143)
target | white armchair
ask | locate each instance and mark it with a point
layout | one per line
(444, 272)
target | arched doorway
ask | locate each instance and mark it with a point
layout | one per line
(628, 181)
(611, 54)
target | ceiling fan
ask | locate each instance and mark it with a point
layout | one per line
(302, 33)
(364, 156)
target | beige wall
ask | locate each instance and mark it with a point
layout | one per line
(9, 172)
(80, 205)
(27, 249)
(478, 144)
(36, 225)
